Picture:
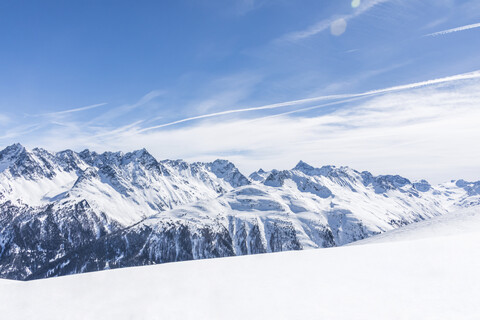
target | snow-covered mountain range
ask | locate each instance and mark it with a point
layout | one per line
(67, 212)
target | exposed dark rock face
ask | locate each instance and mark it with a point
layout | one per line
(31, 238)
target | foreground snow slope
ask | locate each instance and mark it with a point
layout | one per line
(464, 221)
(431, 276)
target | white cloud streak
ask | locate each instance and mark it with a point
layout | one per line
(124, 109)
(471, 75)
(441, 33)
(63, 112)
(19, 131)
(4, 120)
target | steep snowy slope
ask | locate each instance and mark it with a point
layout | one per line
(429, 278)
(463, 221)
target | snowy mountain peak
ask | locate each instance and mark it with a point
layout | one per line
(106, 158)
(88, 155)
(303, 166)
(227, 171)
(259, 176)
(422, 185)
(14, 148)
(20, 162)
(118, 159)
(327, 170)
(142, 157)
(277, 178)
(472, 188)
(12, 152)
(312, 171)
(70, 160)
(9, 155)
(383, 183)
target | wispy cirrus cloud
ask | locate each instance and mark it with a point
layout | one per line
(127, 108)
(458, 29)
(68, 111)
(19, 131)
(245, 6)
(337, 24)
(4, 120)
(340, 97)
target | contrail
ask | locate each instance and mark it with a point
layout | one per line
(265, 107)
(308, 108)
(465, 76)
(74, 110)
(467, 27)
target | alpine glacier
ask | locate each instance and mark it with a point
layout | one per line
(67, 212)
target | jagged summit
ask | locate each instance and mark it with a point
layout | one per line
(17, 161)
(301, 165)
(226, 170)
(422, 185)
(258, 176)
(16, 147)
(11, 152)
(473, 188)
(9, 155)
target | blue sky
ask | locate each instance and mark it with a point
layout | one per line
(165, 75)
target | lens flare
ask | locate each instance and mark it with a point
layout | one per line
(355, 3)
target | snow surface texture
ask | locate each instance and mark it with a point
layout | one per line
(65, 213)
(452, 224)
(427, 270)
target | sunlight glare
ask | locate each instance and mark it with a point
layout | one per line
(355, 3)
